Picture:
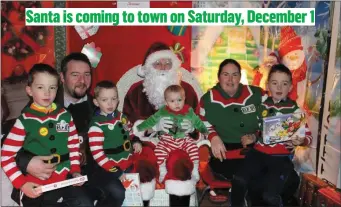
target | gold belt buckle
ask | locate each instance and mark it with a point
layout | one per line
(58, 158)
(126, 145)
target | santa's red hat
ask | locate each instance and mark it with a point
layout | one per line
(289, 41)
(179, 171)
(157, 51)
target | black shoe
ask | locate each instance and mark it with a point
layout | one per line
(179, 200)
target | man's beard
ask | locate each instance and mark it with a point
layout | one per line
(155, 83)
(74, 94)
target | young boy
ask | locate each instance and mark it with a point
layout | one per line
(44, 128)
(274, 159)
(110, 141)
(176, 138)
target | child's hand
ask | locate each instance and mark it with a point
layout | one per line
(76, 175)
(248, 139)
(297, 141)
(30, 190)
(122, 177)
(137, 147)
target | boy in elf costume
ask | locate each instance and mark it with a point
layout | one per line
(176, 138)
(111, 142)
(275, 158)
(43, 129)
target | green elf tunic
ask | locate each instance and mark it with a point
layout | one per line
(232, 117)
(42, 133)
(269, 108)
(109, 141)
(185, 113)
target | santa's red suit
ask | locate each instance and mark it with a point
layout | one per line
(138, 106)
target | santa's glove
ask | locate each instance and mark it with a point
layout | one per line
(164, 124)
(187, 126)
(163, 171)
(195, 171)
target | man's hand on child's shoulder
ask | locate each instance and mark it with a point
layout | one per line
(137, 147)
(31, 190)
(76, 175)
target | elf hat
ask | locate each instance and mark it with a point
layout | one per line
(289, 41)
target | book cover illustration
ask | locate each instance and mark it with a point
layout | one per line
(282, 127)
(132, 185)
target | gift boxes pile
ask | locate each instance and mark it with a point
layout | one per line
(94, 53)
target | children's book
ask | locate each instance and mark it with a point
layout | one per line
(283, 127)
(132, 185)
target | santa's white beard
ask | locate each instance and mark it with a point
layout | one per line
(155, 83)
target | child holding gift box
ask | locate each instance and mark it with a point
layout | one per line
(44, 128)
(177, 114)
(273, 159)
(110, 143)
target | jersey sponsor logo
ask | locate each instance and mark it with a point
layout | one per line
(248, 109)
(62, 126)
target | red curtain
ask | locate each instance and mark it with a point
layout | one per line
(123, 47)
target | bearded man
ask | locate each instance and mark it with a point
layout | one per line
(159, 70)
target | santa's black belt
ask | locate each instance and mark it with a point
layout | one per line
(125, 147)
(57, 158)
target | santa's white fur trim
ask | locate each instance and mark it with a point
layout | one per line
(176, 63)
(136, 132)
(180, 188)
(148, 190)
(140, 71)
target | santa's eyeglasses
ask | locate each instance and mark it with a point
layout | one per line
(163, 64)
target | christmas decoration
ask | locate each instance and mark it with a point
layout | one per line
(6, 27)
(177, 30)
(93, 53)
(6, 7)
(177, 49)
(17, 48)
(21, 6)
(37, 33)
(86, 31)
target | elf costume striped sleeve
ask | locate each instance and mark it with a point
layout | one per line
(110, 141)
(200, 110)
(11, 146)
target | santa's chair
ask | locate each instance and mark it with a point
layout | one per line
(161, 198)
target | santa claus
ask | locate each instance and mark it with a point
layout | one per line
(160, 69)
(292, 55)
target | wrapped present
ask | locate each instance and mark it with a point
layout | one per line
(86, 31)
(177, 30)
(94, 53)
(329, 197)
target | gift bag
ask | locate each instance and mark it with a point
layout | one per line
(94, 53)
(86, 31)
